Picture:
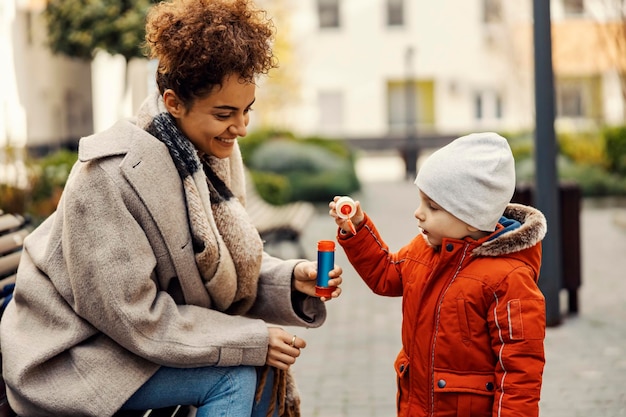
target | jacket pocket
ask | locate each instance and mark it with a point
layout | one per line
(464, 394)
(402, 375)
(463, 321)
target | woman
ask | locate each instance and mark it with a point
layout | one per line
(149, 286)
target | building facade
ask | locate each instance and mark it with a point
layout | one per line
(377, 68)
(355, 69)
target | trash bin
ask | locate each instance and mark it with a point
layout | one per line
(570, 205)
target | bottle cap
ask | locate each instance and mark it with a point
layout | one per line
(326, 245)
(346, 207)
(324, 291)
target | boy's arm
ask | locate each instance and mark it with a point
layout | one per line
(517, 325)
(370, 257)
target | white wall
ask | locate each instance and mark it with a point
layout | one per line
(55, 91)
(363, 55)
(12, 114)
(112, 101)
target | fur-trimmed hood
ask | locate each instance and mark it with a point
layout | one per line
(530, 231)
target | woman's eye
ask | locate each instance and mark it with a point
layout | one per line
(248, 110)
(222, 116)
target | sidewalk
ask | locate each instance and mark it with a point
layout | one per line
(346, 369)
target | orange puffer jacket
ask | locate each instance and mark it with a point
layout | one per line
(473, 317)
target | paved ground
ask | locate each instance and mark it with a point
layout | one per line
(346, 370)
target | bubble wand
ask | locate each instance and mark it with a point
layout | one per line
(346, 208)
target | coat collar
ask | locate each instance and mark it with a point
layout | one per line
(531, 231)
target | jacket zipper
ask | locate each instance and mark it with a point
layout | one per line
(434, 336)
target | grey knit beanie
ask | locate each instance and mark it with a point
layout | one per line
(472, 178)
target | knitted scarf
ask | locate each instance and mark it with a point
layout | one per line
(227, 246)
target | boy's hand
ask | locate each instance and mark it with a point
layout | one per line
(343, 224)
(305, 276)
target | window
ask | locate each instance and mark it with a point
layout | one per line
(498, 110)
(328, 13)
(570, 100)
(478, 106)
(331, 111)
(395, 12)
(399, 106)
(488, 105)
(579, 99)
(492, 11)
(410, 105)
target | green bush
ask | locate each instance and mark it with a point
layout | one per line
(315, 169)
(273, 188)
(615, 140)
(12, 199)
(47, 178)
(594, 181)
(586, 148)
(51, 173)
(253, 140)
(521, 143)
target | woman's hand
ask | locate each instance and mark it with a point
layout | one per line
(283, 349)
(305, 275)
(343, 224)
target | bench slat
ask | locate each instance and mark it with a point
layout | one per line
(10, 222)
(12, 241)
(9, 263)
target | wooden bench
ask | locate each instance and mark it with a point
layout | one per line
(13, 230)
(276, 224)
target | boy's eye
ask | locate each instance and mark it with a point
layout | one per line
(433, 207)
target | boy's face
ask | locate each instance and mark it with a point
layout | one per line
(437, 224)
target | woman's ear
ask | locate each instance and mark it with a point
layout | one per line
(173, 104)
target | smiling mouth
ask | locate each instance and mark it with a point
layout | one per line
(227, 141)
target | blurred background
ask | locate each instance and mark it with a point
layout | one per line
(360, 78)
(365, 90)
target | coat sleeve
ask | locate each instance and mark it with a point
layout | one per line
(517, 326)
(370, 257)
(106, 269)
(277, 302)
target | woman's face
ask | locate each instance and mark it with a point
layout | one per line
(214, 123)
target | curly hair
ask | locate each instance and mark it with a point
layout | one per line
(198, 43)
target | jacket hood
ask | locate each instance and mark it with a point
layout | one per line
(531, 231)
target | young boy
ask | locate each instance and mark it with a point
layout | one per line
(473, 316)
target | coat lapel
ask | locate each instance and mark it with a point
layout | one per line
(149, 170)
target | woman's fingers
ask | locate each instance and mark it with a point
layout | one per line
(284, 348)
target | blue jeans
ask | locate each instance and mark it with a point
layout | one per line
(214, 391)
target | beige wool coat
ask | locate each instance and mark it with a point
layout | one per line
(81, 347)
